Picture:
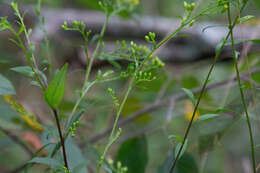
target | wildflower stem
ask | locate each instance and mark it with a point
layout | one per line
(111, 137)
(89, 67)
(241, 93)
(61, 138)
(203, 89)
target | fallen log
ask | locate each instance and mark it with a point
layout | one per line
(199, 42)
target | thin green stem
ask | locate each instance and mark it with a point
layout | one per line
(203, 90)
(131, 84)
(111, 137)
(89, 67)
(30, 57)
(241, 93)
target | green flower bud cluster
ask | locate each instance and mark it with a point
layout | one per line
(223, 4)
(129, 72)
(66, 170)
(144, 76)
(119, 168)
(137, 51)
(77, 26)
(4, 24)
(133, 48)
(108, 6)
(115, 100)
(157, 62)
(150, 38)
(189, 7)
(73, 128)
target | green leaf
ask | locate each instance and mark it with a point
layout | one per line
(224, 110)
(207, 116)
(46, 161)
(255, 40)
(176, 137)
(6, 87)
(190, 95)
(186, 164)
(179, 147)
(75, 157)
(246, 18)
(55, 91)
(24, 70)
(133, 154)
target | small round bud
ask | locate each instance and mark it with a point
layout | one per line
(110, 162)
(152, 35)
(147, 39)
(225, 6)
(192, 6)
(109, 90)
(186, 5)
(119, 164)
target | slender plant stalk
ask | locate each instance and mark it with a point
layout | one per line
(203, 90)
(241, 93)
(31, 59)
(131, 85)
(61, 138)
(111, 137)
(84, 89)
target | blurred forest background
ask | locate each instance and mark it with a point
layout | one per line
(155, 111)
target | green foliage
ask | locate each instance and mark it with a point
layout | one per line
(133, 154)
(207, 116)
(142, 71)
(46, 161)
(24, 70)
(190, 95)
(186, 164)
(178, 147)
(55, 91)
(6, 87)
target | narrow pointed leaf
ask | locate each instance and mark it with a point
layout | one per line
(190, 95)
(207, 116)
(24, 70)
(55, 91)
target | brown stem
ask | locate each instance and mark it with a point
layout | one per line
(61, 138)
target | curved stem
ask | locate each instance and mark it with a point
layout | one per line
(111, 137)
(203, 90)
(84, 90)
(242, 94)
